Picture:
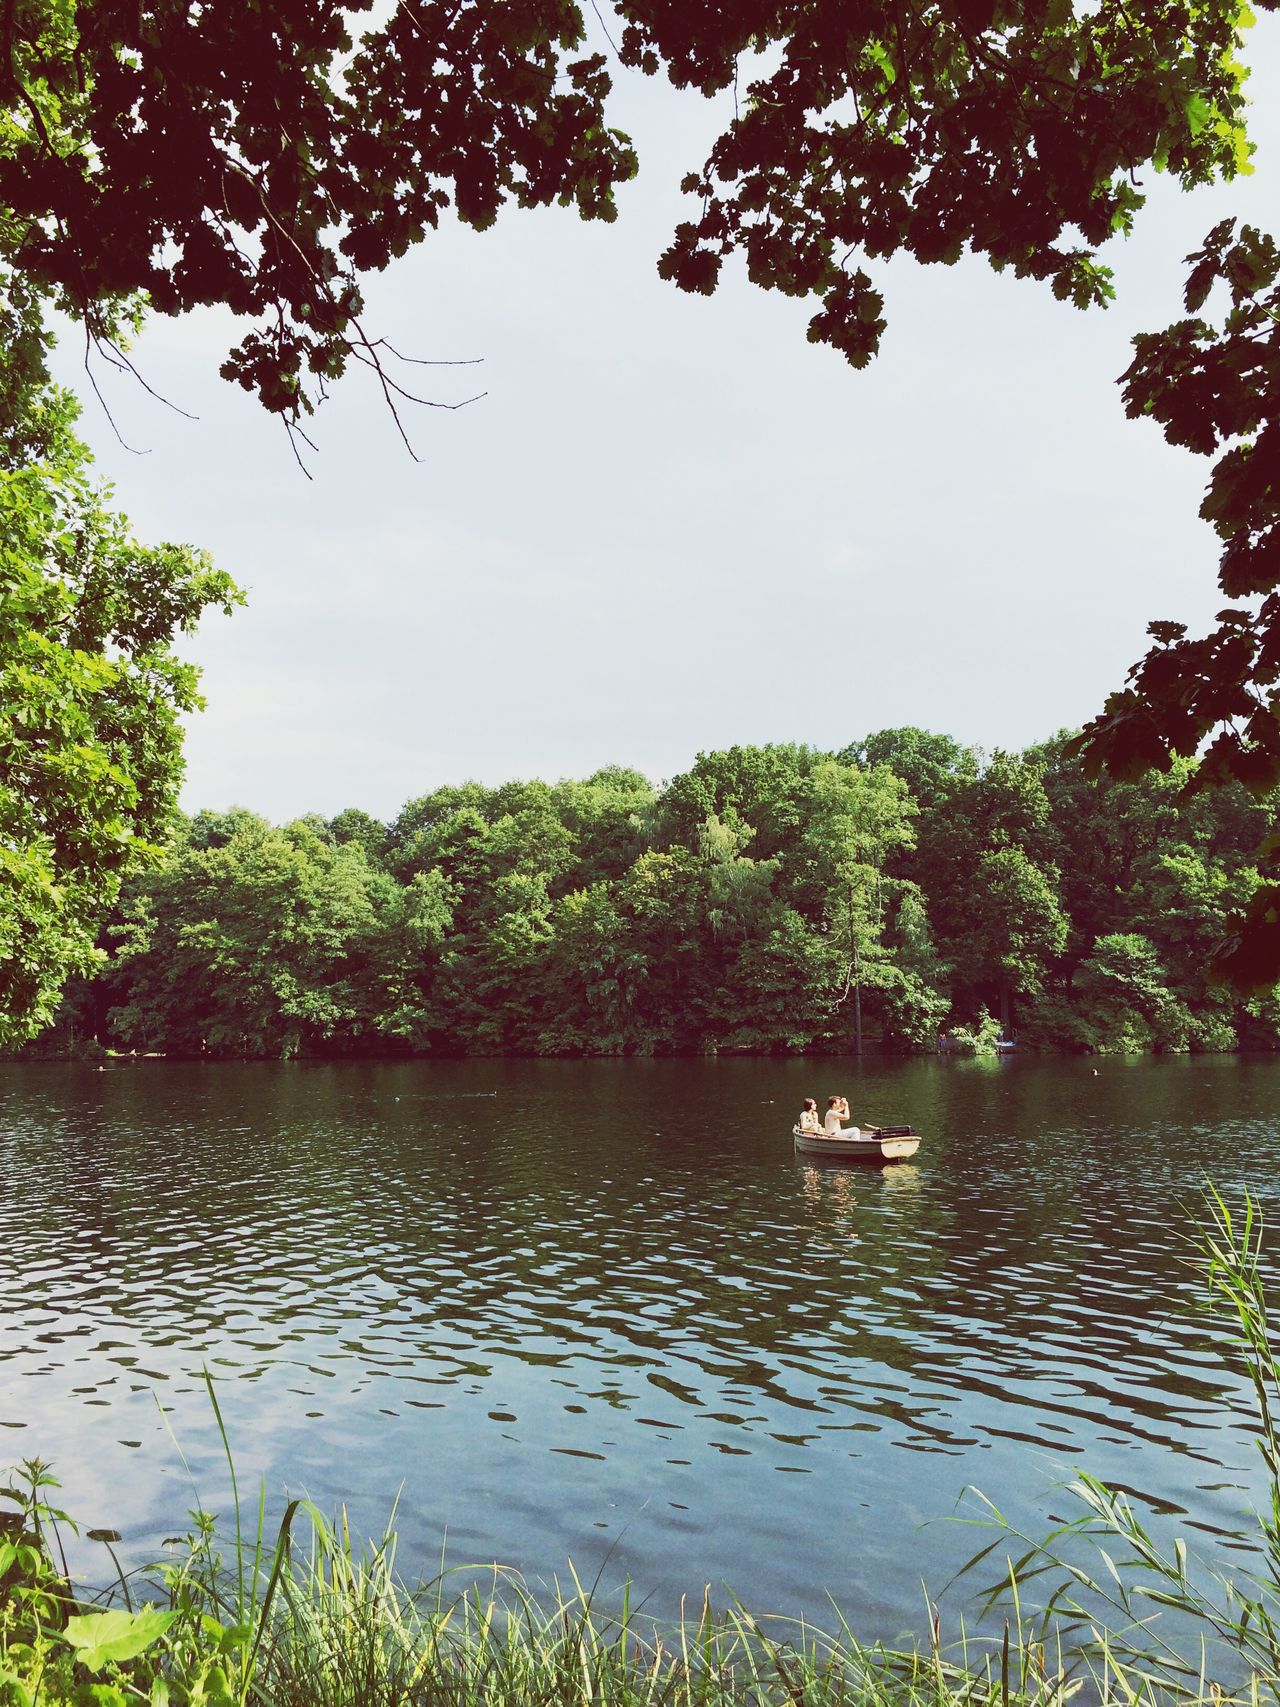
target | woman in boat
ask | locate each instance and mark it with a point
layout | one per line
(809, 1121)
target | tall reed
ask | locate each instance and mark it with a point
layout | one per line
(1137, 1613)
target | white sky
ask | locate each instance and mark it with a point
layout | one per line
(673, 524)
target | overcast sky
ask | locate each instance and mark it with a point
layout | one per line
(672, 524)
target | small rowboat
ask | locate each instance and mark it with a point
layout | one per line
(878, 1145)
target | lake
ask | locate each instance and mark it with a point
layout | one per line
(599, 1311)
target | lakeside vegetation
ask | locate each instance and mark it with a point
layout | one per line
(230, 1616)
(769, 899)
(104, 220)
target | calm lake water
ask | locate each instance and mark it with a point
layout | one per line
(598, 1311)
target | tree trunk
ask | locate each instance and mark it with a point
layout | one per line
(857, 1004)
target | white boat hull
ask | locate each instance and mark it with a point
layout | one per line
(867, 1147)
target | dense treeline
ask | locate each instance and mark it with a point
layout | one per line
(771, 898)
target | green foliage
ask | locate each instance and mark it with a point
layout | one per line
(1159, 858)
(986, 864)
(255, 941)
(267, 160)
(1212, 386)
(1125, 1004)
(770, 899)
(930, 765)
(315, 1621)
(91, 693)
(262, 159)
(1011, 924)
(977, 1039)
(101, 1639)
(926, 132)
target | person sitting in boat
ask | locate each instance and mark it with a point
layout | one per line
(809, 1121)
(837, 1111)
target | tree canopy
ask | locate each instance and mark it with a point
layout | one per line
(1214, 387)
(91, 691)
(268, 158)
(771, 898)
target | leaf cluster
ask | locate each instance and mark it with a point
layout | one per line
(269, 158)
(1012, 130)
(1214, 388)
(262, 158)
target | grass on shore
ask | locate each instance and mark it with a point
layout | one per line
(310, 1620)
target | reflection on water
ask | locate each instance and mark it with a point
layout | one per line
(600, 1309)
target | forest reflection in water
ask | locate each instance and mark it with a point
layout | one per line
(599, 1310)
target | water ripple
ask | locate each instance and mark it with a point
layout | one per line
(589, 1329)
